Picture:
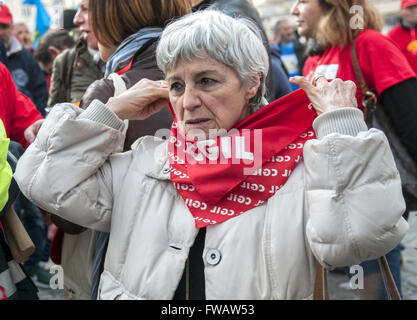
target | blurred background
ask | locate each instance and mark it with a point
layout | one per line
(270, 10)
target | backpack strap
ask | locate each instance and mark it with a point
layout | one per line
(119, 84)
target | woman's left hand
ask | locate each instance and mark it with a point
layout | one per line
(326, 96)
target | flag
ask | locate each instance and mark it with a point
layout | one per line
(43, 20)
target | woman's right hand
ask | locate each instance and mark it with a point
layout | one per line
(144, 99)
(326, 96)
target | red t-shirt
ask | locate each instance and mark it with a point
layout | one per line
(382, 63)
(16, 110)
(407, 41)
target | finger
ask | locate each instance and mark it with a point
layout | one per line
(30, 135)
(303, 83)
(351, 84)
(152, 108)
(36, 128)
(319, 80)
(158, 93)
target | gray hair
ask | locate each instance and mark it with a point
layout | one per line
(235, 42)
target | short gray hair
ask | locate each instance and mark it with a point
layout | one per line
(235, 42)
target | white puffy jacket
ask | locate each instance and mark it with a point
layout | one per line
(342, 205)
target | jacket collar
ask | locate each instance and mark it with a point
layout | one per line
(14, 46)
(405, 26)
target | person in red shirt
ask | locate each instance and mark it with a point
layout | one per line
(405, 33)
(331, 26)
(21, 118)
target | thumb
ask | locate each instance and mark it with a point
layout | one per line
(303, 83)
(29, 135)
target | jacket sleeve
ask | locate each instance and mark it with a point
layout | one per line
(353, 191)
(66, 170)
(38, 86)
(22, 111)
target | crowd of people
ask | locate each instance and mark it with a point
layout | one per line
(170, 150)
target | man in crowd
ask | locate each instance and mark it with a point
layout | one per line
(25, 71)
(21, 31)
(405, 33)
(49, 47)
(290, 50)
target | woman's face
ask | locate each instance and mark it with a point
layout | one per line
(409, 16)
(81, 20)
(308, 13)
(207, 96)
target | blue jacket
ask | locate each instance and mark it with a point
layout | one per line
(282, 85)
(29, 77)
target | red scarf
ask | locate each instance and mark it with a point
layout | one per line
(221, 178)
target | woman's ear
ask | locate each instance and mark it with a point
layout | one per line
(253, 88)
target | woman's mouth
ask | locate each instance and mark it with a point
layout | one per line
(85, 35)
(195, 123)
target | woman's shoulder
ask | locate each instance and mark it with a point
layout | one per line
(150, 153)
(63, 62)
(396, 30)
(372, 38)
(150, 144)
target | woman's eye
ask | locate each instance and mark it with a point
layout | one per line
(207, 81)
(176, 86)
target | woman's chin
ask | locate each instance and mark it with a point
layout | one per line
(197, 135)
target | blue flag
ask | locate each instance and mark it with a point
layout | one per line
(43, 20)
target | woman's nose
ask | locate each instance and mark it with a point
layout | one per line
(294, 9)
(191, 99)
(77, 19)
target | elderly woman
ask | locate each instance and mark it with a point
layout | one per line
(211, 213)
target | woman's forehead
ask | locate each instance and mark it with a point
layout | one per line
(198, 67)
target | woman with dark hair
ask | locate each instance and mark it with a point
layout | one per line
(339, 31)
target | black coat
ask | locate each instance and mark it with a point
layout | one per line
(29, 78)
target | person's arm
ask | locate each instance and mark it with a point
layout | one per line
(66, 172)
(400, 104)
(14, 152)
(353, 196)
(353, 191)
(38, 86)
(22, 112)
(5, 170)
